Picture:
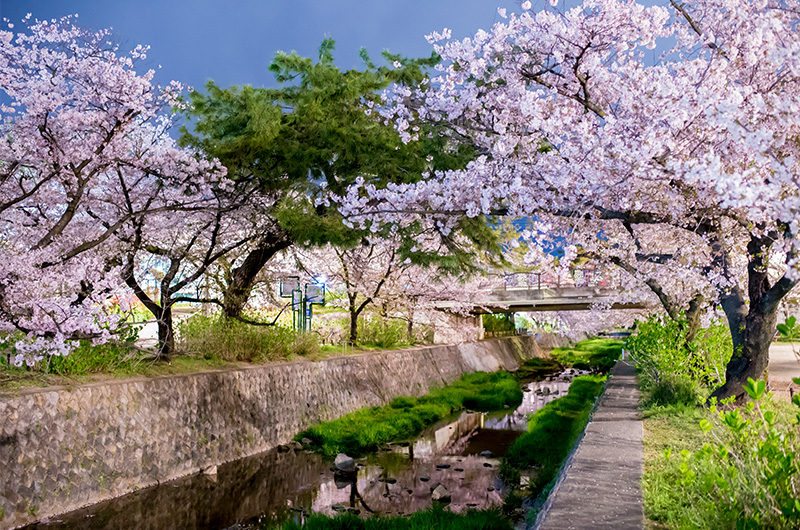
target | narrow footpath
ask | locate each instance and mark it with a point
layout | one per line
(783, 367)
(601, 487)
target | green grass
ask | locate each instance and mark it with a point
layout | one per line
(434, 518)
(213, 337)
(709, 491)
(13, 379)
(537, 368)
(673, 429)
(590, 354)
(552, 432)
(367, 429)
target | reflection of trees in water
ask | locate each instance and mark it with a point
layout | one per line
(538, 394)
(469, 485)
(268, 487)
(268, 484)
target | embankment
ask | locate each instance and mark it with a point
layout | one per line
(63, 448)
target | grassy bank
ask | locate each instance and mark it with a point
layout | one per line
(665, 436)
(717, 466)
(727, 467)
(590, 354)
(203, 343)
(365, 430)
(434, 518)
(552, 432)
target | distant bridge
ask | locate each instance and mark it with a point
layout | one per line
(512, 293)
(545, 299)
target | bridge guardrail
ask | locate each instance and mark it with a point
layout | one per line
(581, 277)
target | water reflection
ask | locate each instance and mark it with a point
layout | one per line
(462, 453)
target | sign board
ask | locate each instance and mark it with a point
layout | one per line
(289, 285)
(297, 299)
(315, 294)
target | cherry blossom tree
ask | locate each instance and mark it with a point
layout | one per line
(361, 271)
(576, 125)
(84, 156)
(181, 247)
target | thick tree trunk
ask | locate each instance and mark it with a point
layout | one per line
(693, 314)
(750, 358)
(752, 325)
(353, 328)
(242, 278)
(162, 313)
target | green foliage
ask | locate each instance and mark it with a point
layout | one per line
(748, 474)
(537, 368)
(434, 518)
(672, 371)
(590, 354)
(552, 432)
(498, 323)
(672, 390)
(319, 132)
(789, 330)
(667, 433)
(366, 429)
(383, 333)
(216, 338)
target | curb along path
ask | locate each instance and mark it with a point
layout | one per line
(601, 487)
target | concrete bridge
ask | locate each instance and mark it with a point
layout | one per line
(570, 298)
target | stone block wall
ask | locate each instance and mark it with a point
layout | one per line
(61, 448)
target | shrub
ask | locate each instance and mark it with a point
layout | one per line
(748, 476)
(671, 390)
(671, 370)
(383, 332)
(214, 337)
(498, 323)
(86, 358)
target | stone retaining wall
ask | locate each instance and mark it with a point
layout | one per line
(61, 448)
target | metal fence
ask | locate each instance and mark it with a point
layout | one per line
(580, 277)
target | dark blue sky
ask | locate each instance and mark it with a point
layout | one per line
(233, 41)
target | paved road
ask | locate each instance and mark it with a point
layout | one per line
(783, 366)
(601, 487)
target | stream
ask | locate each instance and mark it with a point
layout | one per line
(461, 452)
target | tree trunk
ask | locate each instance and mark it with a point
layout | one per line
(354, 312)
(242, 278)
(750, 352)
(353, 328)
(166, 333)
(693, 314)
(752, 325)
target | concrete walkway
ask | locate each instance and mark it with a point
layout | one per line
(602, 484)
(783, 366)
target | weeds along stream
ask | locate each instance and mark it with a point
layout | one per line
(455, 438)
(461, 452)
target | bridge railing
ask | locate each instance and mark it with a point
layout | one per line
(580, 277)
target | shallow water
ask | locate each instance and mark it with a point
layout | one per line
(273, 487)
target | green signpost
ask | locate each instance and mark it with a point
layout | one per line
(302, 300)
